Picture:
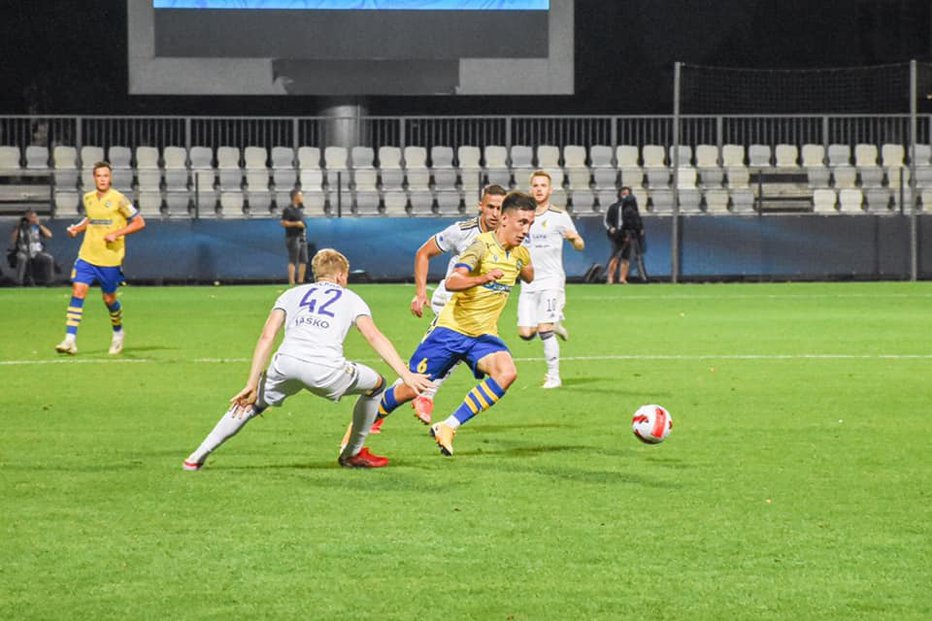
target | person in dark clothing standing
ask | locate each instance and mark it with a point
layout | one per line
(295, 238)
(626, 232)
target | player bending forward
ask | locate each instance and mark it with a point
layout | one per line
(454, 239)
(316, 318)
(467, 328)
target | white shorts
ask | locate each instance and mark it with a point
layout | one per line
(439, 299)
(287, 376)
(537, 307)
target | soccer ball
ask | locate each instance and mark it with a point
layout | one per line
(651, 424)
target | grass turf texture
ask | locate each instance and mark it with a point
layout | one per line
(795, 484)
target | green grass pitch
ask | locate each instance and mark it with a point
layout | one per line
(795, 485)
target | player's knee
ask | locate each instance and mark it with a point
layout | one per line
(545, 334)
(527, 333)
(505, 377)
(378, 390)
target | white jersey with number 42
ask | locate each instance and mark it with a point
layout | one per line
(545, 241)
(317, 318)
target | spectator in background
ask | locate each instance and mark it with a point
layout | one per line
(626, 232)
(295, 238)
(26, 238)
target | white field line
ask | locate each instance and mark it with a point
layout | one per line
(742, 296)
(674, 357)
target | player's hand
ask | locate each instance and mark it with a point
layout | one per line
(494, 275)
(72, 232)
(417, 305)
(418, 382)
(611, 230)
(110, 238)
(244, 399)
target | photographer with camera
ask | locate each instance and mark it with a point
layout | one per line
(27, 253)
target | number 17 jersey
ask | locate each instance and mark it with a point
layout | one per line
(318, 317)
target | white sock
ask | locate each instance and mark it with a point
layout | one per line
(226, 428)
(452, 422)
(364, 413)
(431, 392)
(552, 355)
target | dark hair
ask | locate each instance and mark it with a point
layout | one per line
(494, 189)
(294, 192)
(101, 164)
(623, 188)
(518, 201)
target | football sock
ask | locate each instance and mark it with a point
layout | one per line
(388, 403)
(481, 398)
(551, 353)
(364, 413)
(226, 428)
(74, 315)
(116, 315)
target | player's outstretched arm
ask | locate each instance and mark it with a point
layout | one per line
(74, 229)
(576, 239)
(425, 253)
(260, 358)
(384, 348)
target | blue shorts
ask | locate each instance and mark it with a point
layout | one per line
(87, 273)
(442, 348)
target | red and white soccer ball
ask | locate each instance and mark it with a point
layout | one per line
(651, 424)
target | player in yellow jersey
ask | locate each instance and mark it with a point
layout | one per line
(109, 217)
(467, 327)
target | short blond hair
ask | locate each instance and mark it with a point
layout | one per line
(328, 263)
(540, 173)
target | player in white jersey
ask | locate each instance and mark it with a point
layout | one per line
(540, 305)
(452, 240)
(316, 318)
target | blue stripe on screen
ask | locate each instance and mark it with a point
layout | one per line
(359, 5)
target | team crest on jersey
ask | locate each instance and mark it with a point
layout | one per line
(108, 204)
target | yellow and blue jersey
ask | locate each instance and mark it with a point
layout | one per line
(476, 310)
(105, 214)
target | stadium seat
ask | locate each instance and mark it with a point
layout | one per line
(396, 203)
(391, 172)
(602, 199)
(232, 204)
(574, 156)
(496, 165)
(839, 155)
(661, 200)
(653, 156)
(150, 204)
(923, 166)
(583, 199)
(559, 198)
(37, 158)
(893, 161)
(442, 170)
(64, 167)
(206, 202)
(258, 194)
(548, 157)
(813, 160)
(422, 201)
(362, 169)
(284, 175)
(630, 172)
(711, 174)
(9, 159)
(689, 196)
(203, 173)
(337, 168)
(449, 202)
(925, 198)
(685, 155)
(742, 200)
(315, 201)
(786, 156)
(366, 203)
(759, 156)
(851, 200)
(178, 203)
(869, 170)
(148, 172)
(716, 200)
(655, 168)
(121, 165)
(311, 175)
(878, 199)
(522, 165)
(602, 167)
(230, 174)
(67, 204)
(844, 175)
(736, 171)
(175, 162)
(417, 174)
(470, 169)
(824, 201)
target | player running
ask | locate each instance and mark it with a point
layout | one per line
(467, 327)
(316, 318)
(454, 240)
(540, 305)
(110, 217)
